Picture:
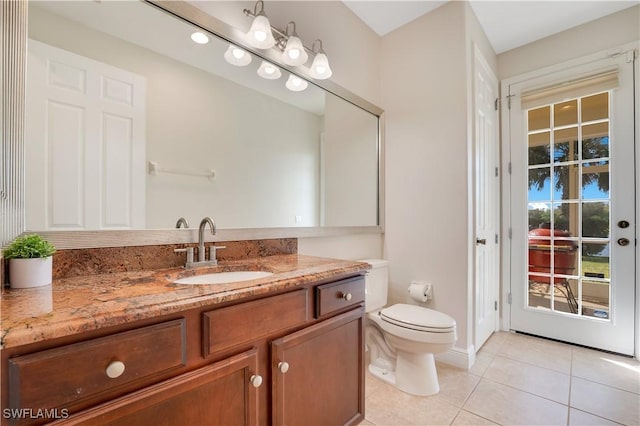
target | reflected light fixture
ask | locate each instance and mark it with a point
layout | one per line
(260, 35)
(320, 69)
(296, 84)
(236, 56)
(294, 53)
(200, 38)
(269, 71)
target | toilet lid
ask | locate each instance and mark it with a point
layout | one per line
(418, 318)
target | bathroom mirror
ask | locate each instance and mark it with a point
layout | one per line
(131, 125)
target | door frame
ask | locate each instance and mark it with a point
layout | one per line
(506, 177)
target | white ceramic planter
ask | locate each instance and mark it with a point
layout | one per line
(27, 273)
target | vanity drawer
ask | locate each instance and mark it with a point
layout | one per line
(335, 296)
(61, 377)
(243, 323)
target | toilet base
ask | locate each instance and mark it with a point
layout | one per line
(415, 374)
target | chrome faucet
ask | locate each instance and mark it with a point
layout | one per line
(182, 222)
(203, 225)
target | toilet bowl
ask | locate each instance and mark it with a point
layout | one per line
(402, 339)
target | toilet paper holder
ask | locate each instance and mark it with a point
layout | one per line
(421, 291)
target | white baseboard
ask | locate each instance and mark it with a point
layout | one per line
(458, 357)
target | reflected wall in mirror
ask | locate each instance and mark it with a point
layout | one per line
(131, 125)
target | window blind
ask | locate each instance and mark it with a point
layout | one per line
(568, 89)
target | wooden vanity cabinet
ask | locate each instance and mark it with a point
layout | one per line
(317, 373)
(230, 368)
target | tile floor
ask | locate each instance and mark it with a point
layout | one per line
(519, 380)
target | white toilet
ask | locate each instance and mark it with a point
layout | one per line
(402, 339)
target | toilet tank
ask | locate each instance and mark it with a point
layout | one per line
(376, 284)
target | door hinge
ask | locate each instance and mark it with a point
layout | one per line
(509, 100)
(496, 104)
(495, 305)
(509, 298)
(497, 171)
(496, 238)
(509, 167)
(510, 233)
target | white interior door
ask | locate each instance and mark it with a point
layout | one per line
(487, 187)
(85, 143)
(572, 203)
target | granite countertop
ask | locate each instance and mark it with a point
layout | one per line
(75, 305)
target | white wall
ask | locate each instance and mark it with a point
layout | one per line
(607, 32)
(424, 94)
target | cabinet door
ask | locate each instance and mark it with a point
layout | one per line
(318, 373)
(223, 393)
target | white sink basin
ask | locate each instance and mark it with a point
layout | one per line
(223, 277)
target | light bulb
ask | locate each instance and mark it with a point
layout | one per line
(269, 71)
(200, 38)
(320, 68)
(236, 56)
(296, 84)
(294, 53)
(259, 35)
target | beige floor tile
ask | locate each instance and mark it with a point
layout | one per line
(456, 384)
(495, 342)
(467, 418)
(483, 360)
(530, 378)
(604, 401)
(611, 370)
(506, 405)
(580, 418)
(389, 406)
(543, 353)
(366, 422)
(371, 384)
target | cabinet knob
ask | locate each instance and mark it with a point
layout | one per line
(283, 366)
(256, 380)
(347, 296)
(115, 369)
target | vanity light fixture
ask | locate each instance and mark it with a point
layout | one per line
(269, 71)
(320, 69)
(294, 53)
(296, 84)
(200, 38)
(236, 56)
(260, 35)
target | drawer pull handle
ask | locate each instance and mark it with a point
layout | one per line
(115, 369)
(347, 296)
(283, 367)
(256, 380)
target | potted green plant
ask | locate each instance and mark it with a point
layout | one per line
(30, 261)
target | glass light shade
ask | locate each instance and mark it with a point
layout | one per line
(269, 71)
(320, 69)
(200, 38)
(236, 56)
(294, 53)
(259, 35)
(296, 84)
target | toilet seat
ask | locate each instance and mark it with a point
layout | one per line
(418, 318)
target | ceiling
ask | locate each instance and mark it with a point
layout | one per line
(507, 24)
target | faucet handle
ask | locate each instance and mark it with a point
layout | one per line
(213, 250)
(188, 250)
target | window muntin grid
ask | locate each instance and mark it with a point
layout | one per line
(568, 193)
